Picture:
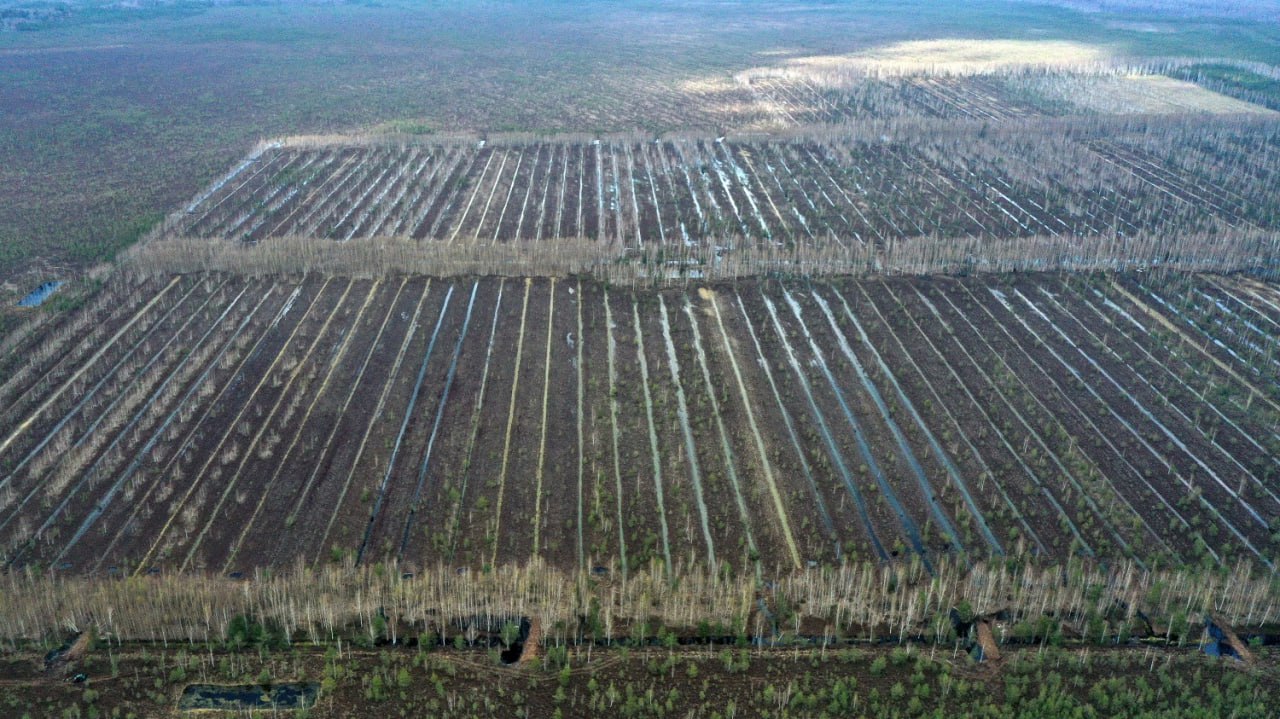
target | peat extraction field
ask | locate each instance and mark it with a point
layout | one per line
(826, 189)
(221, 423)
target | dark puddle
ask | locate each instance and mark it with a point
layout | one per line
(1218, 646)
(512, 654)
(248, 697)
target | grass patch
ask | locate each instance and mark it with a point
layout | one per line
(1234, 81)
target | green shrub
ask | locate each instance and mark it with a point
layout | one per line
(244, 631)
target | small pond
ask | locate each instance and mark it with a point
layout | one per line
(40, 294)
(248, 697)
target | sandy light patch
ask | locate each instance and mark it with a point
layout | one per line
(983, 55)
(728, 98)
(950, 57)
(1166, 94)
(708, 85)
(1140, 94)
